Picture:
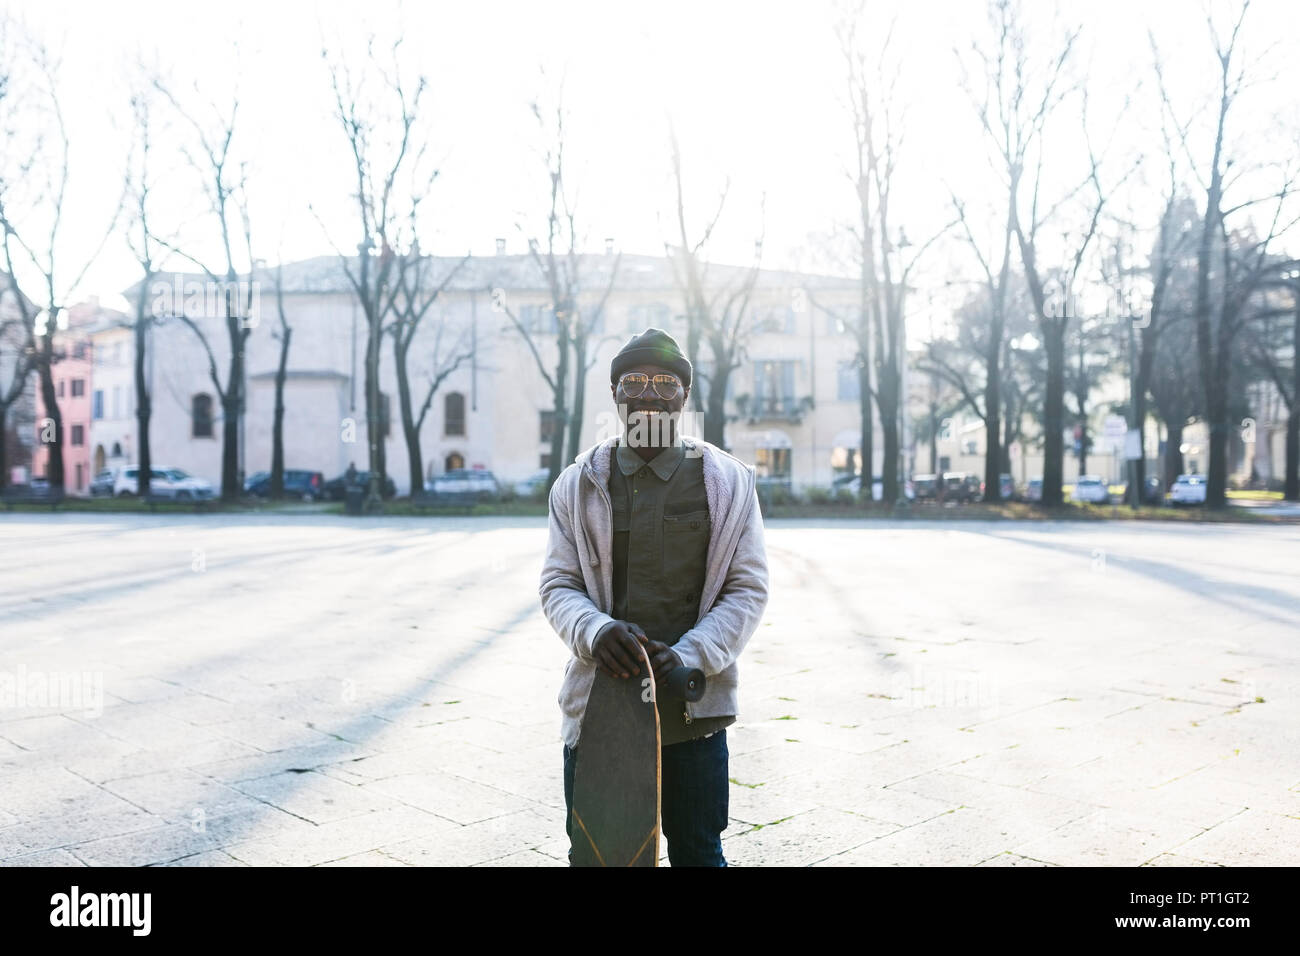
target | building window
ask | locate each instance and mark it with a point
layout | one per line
(779, 318)
(545, 461)
(78, 387)
(81, 476)
(60, 388)
(453, 414)
(117, 449)
(774, 387)
(453, 462)
(78, 434)
(848, 382)
(547, 427)
(97, 412)
(79, 350)
(117, 401)
(201, 416)
(772, 463)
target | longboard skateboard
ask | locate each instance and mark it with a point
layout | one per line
(616, 785)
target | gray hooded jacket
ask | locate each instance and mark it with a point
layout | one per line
(577, 585)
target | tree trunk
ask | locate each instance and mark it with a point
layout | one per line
(1291, 490)
(993, 413)
(54, 448)
(579, 396)
(1173, 453)
(1054, 413)
(888, 401)
(889, 466)
(374, 437)
(866, 454)
(715, 403)
(143, 406)
(1146, 362)
(277, 426)
(411, 431)
(562, 425)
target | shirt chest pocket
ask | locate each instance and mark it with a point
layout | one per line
(686, 546)
(622, 517)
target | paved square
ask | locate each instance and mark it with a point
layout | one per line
(308, 689)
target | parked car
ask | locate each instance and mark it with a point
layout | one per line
(1188, 490)
(305, 485)
(529, 486)
(102, 483)
(1091, 489)
(336, 488)
(1034, 489)
(163, 483)
(464, 484)
(961, 486)
(925, 487)
(852, 483)
(1006, 488)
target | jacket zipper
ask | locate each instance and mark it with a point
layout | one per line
(589, 474)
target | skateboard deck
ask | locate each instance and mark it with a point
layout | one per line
(616, 784)
(616, 781)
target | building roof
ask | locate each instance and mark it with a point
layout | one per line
(326, 274)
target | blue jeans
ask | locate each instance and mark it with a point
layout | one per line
(693, 801)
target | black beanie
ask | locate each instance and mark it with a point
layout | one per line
(651, 347)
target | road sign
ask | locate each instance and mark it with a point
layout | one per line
(1113, 430)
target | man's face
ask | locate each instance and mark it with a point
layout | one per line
(649, 419)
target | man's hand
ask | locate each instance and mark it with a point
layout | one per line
(617, 649)
(662, 658)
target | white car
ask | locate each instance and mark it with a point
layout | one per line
(528, 486)
(1092, 489)
(473, 484)
(1188, 490)
(163, 483)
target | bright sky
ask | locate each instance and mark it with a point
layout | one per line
(754, 90)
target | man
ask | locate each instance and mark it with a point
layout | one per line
(656, 540)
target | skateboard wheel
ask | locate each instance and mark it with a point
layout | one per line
(683, 683)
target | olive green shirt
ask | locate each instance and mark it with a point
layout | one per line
(661, 546)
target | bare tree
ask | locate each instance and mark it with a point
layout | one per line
(575, 315)
(1224, 282)
(223, 178)
(33, 191)
(717, 313)
(284, 335)
(15, 363)
(145, 249)
(885, 258)
(413, 297)
(388, 141)
(1019, 97)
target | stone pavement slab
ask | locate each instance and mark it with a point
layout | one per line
(334, 692)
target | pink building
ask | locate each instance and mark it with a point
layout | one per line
(74, 391)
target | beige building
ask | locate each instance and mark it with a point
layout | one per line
(792, 405)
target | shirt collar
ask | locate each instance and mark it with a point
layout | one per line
(663, 464)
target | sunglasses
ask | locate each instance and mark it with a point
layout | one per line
(634, 385)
